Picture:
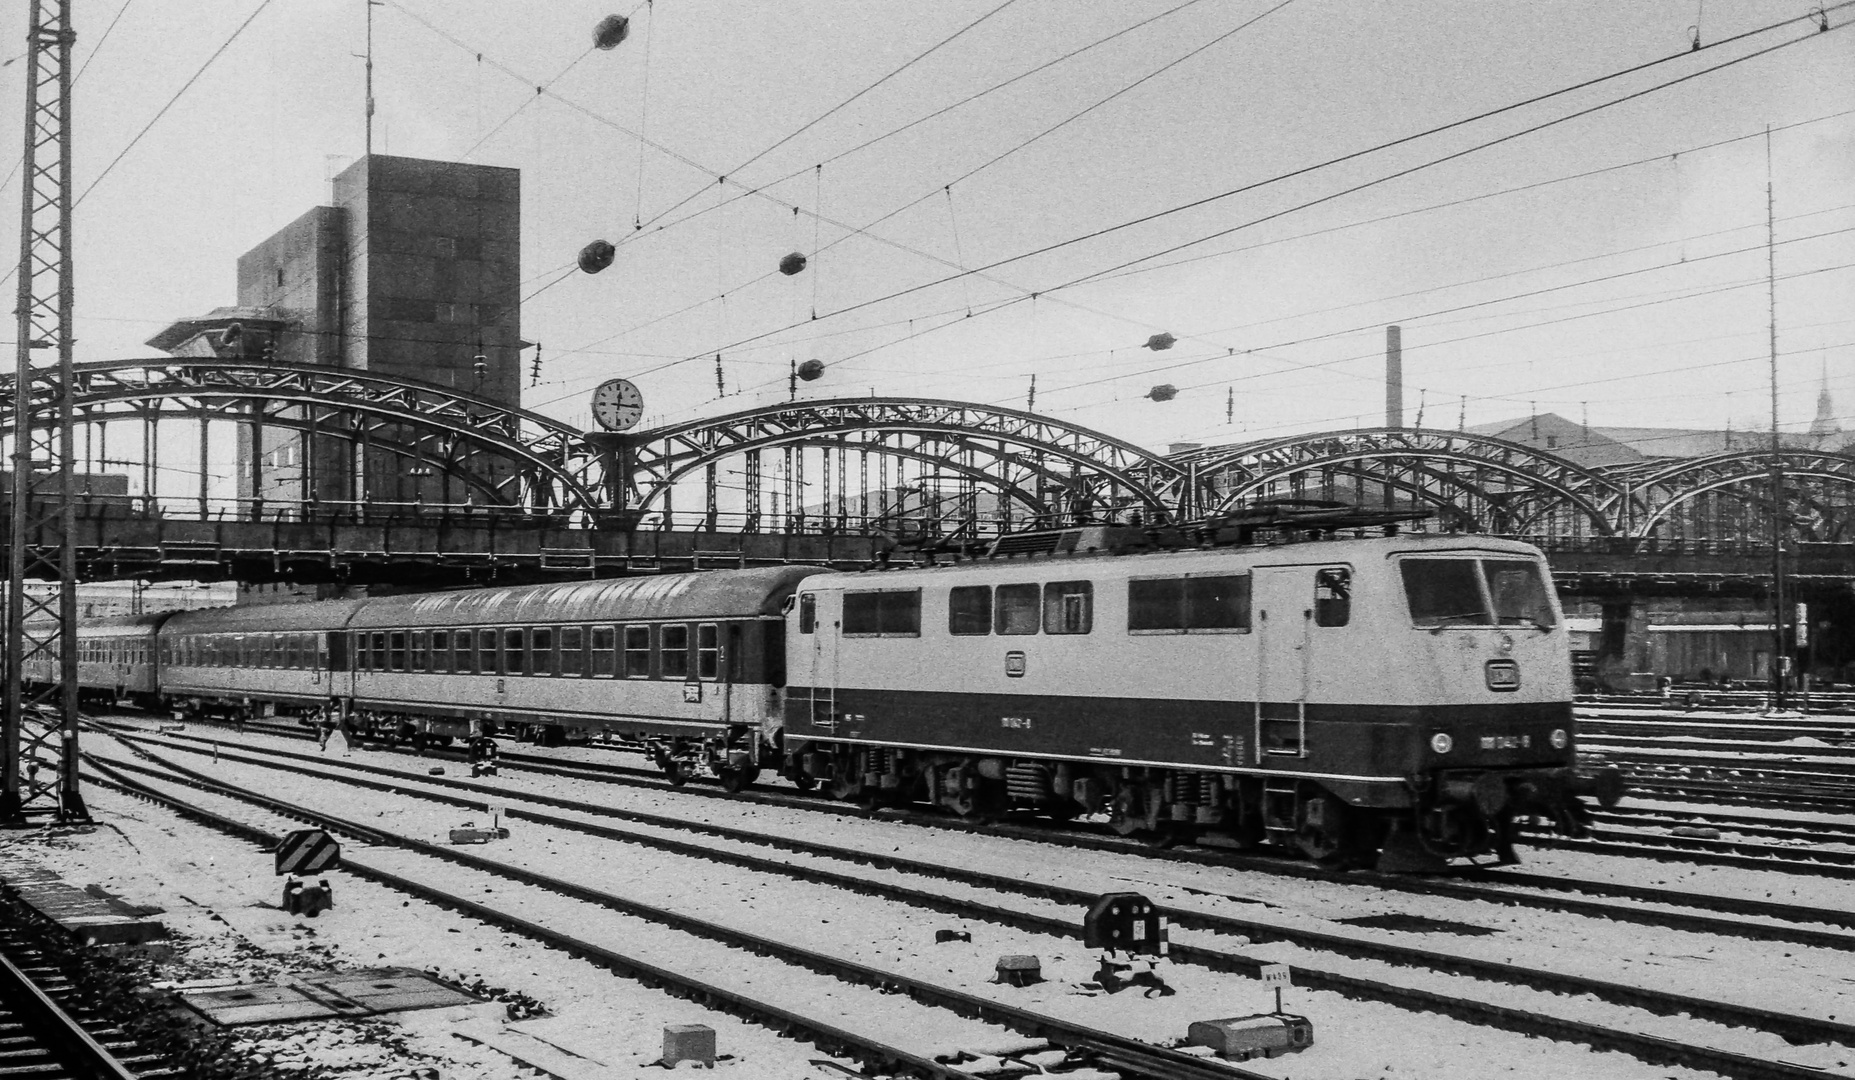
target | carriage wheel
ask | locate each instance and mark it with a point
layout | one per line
(675, 773)
(734, 781)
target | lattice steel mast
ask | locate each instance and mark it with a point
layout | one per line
(40, 725)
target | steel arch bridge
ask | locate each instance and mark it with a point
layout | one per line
(1029, 468)
(1471, 481)
(900, 465)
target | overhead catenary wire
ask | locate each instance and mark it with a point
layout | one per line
(1432, 162)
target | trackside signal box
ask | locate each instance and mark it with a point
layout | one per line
(1126, 923)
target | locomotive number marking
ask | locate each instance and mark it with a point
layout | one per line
(1506, 742)
(1021, 723)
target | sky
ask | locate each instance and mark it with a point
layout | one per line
(994, 190)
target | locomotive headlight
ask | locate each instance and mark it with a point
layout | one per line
(1442, 742)
(1559, 738)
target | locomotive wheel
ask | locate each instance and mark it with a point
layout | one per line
(844, 788)
(804, 782)
(734, 781)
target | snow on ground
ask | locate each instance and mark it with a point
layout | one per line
(878, 933)
(220, 897)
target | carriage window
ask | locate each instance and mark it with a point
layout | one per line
(380, 651)
(1443, 592)
(512, 642)
(572, 650)
(465, 651)
(1333, 596)
(293, 651)
(605, 651)
(362, 661)
(1016, 609)
(637, 652)
(1068, 607)
(883, 613)
(808, 613)
(280, 649)
(441, 650)
(541, 650)
(396, 650)
(1519, 594)
(969, 610)
(420, 643)
(674, 651)
(708, 651)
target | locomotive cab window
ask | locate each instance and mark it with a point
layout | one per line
(1068, 607)
(1519, 593)
(1443, 592)
(1333, 596)
(808, 612)
(969, 610)
(883, 613)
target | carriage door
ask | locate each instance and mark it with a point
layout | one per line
(1284, 600)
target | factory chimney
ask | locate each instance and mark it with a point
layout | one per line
(1394, 377)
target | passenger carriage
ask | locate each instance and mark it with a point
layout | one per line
(690, 664)
(260, 660)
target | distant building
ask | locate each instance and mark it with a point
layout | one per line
(415, 271)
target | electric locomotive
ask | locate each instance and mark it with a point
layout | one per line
(1407, 696)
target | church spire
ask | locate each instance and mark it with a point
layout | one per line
(1825, 423)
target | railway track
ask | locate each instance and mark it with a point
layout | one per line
(854, 878)
(1605, 899)
(44, 1034)
(1087, 1048)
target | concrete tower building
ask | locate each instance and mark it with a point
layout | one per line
(414, 271)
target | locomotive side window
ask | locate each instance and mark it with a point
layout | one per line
(441, 650)
(1155, 605)
(1333, 596)
(969, 610)
(605, 651)
(1068, 607)
(541, 650)
(1443, 591)
(708, 651)
(465, 645)
(514, 644)
(808, 613)
(1016, 609)
(673, 641)
(572, 651)
(883, 613)
(1217, 602)
(1520, 597)
(637, 652)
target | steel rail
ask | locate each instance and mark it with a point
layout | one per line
(56, 1031)
(1525, 1022)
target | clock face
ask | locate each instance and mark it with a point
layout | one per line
(617, 405)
